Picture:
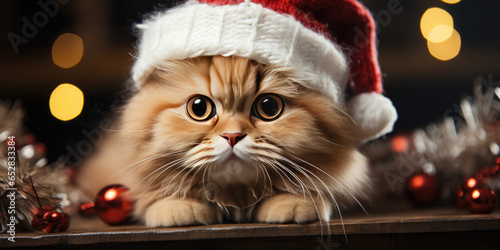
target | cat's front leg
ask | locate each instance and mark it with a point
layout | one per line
(179, 212)
(283, 208)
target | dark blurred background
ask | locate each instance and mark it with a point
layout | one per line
(422, 87)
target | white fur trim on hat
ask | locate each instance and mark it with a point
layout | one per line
(246, 30)
(374, 114)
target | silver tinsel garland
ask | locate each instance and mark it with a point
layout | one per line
(49, 180)
(466, 140)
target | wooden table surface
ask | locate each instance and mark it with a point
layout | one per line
(443, 228)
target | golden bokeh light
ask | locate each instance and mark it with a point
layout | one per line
(447, 49)
(440, 33)
(67, 50)
(451, 1)
(436, 17)
(66, 102)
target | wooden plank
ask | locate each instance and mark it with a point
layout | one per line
(85, 231)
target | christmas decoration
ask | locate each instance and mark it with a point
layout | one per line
(292, 34)
(47, 218)
(462, 152)
(87, 209)
(475, 194)
(423, 189)
(459, 197)
(471, 183)
(22, 158)
(38, 223)
(113, 205)
(481, 200)
(50, 220)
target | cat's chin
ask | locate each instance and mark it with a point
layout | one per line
(234, 170)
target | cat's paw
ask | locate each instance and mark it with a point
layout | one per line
(177, 212)
(285, 208)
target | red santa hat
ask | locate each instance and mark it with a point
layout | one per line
(330, 42)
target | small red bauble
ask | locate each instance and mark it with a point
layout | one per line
(38, 223)
(471, 183)
(400, 144)
(51, 227)
(87, 209)
(113, 205)
(52, 217)
(64, 223)
(481, 200)
(495, 170)
(459, 197)
(50, 220)
(41, 148)
(423, 189)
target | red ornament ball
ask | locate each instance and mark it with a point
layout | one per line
(113, 205)
(483, 173)
(49, 219)
(471, 183)
(51, 227)
(39, 223)
(52, 216)
(64, 223)
(495, 170)
(87, 209)
(481, 200)
(459, 197)
(423, 189)
(400, 144)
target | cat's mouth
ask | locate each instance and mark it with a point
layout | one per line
(232, 154)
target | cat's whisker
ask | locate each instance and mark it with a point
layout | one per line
(145, 160)
(167, 189)
(171, 180)
(184, 177)
(281, 176)
(312, 198)
(142, 164)
(346, 114)
(336, 144)
(303, 173)
(265, 172)
(204, 181)
(294, 176)
(165, 167)
(151, 158)
(334, 179)
(203, 166)
(326, 187)
(262, 193)
(278, 170)
(298, 167)
(195, 173)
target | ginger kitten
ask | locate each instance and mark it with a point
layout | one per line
(214, 139)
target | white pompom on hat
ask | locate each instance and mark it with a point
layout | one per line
(331, 42)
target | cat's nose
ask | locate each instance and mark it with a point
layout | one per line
(233, 138)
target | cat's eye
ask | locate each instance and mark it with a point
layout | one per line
(200, 108)
(268, 107)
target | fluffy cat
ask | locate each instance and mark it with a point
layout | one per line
(214, 139)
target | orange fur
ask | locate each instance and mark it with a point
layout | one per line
(305, 163)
